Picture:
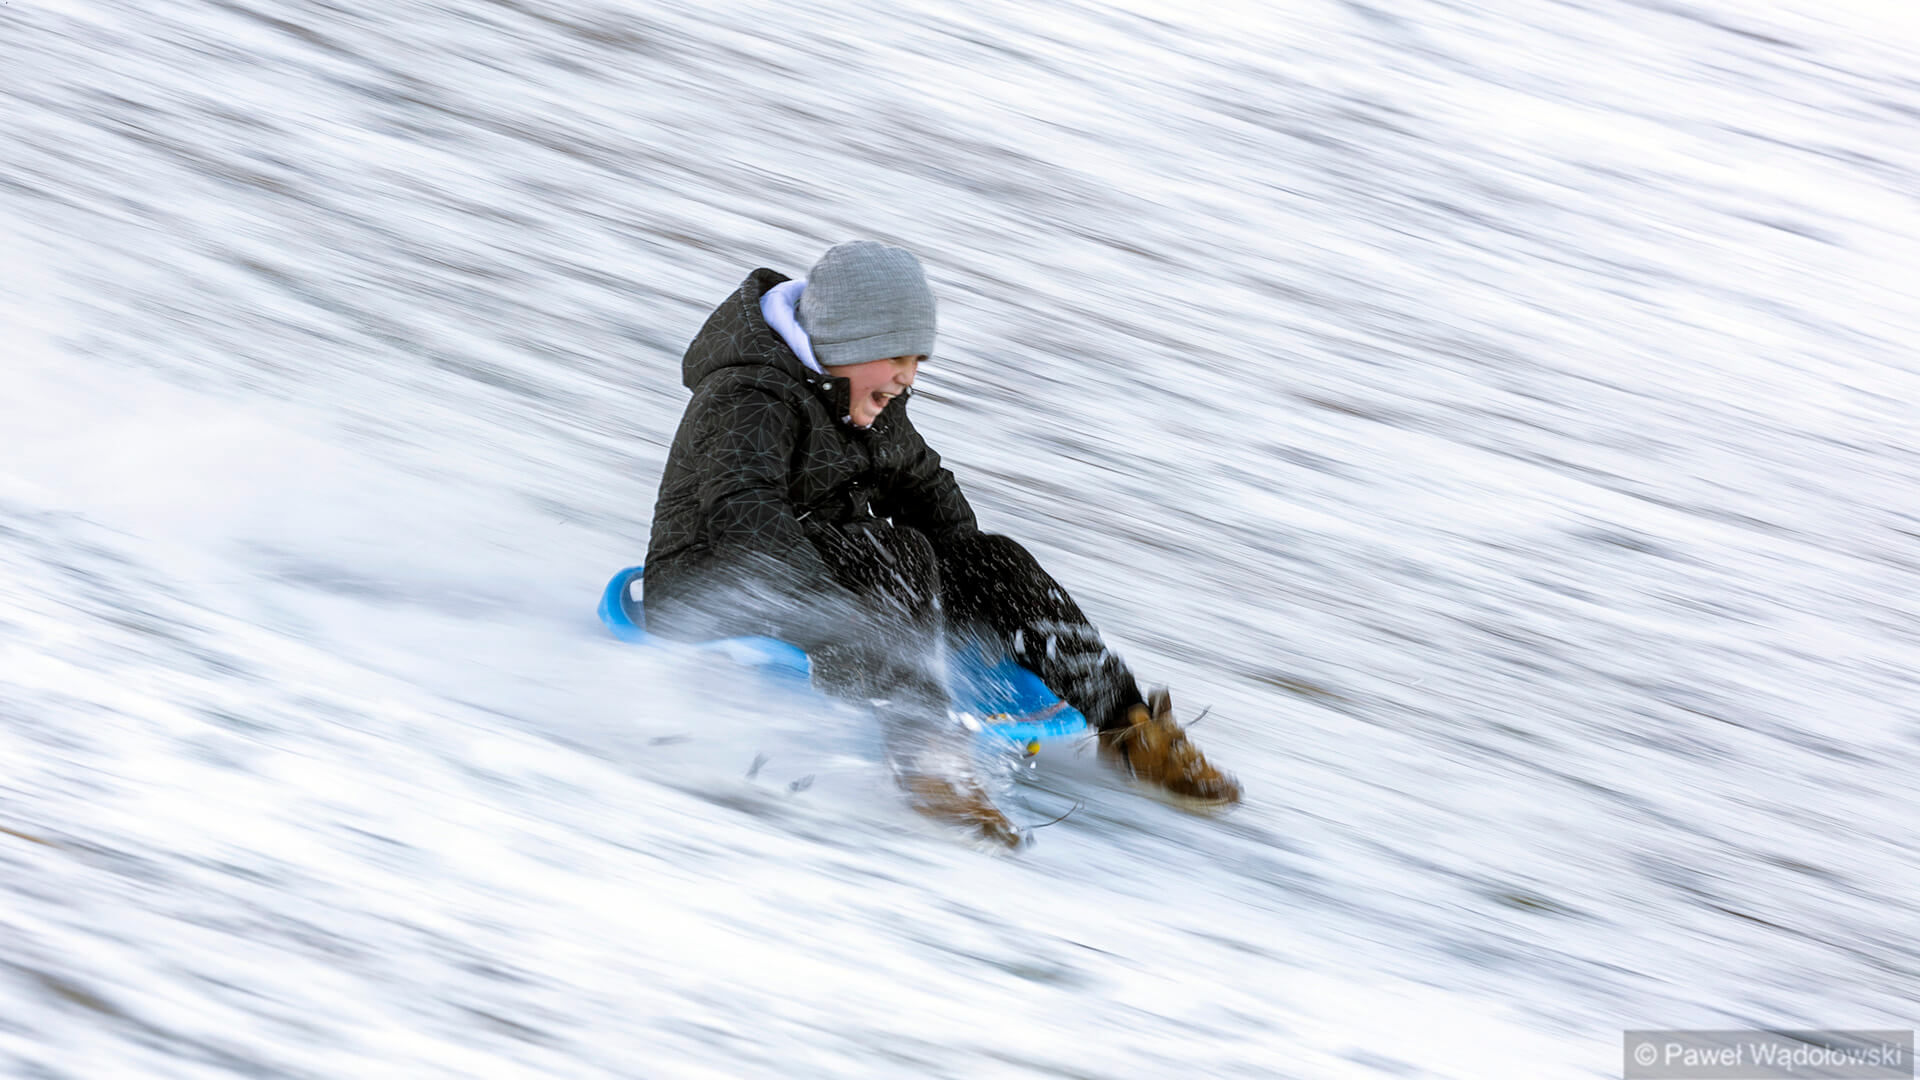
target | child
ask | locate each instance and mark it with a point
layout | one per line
(800, 503)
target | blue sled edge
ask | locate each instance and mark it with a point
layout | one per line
(621, 613)
(1011, 701)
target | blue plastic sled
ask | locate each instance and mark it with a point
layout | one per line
(1010, 701)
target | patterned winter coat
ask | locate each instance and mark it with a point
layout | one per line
(764, 456)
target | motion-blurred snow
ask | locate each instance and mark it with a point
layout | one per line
(1501, 414)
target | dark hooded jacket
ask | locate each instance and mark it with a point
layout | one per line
(764, 456)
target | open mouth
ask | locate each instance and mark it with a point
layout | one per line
(880, 398)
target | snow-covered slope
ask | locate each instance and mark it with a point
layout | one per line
(1501, 414)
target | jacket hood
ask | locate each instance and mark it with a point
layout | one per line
(737, 335)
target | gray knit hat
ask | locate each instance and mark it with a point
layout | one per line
(864, 301)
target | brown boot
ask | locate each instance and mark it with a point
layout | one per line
(1156, 751)
(960, 801)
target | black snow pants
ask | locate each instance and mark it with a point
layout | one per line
(883, 638)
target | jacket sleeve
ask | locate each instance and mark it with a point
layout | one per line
(928, 498)
(744, 445)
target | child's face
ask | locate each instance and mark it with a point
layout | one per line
(875, 383)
